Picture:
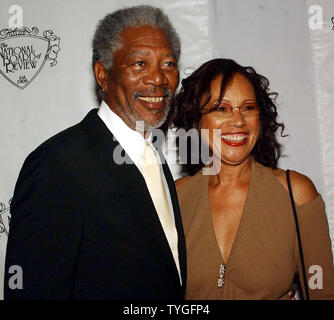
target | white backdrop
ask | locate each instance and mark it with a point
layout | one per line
(322, 44)
(293, 47)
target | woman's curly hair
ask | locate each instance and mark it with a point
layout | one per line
(188, 110)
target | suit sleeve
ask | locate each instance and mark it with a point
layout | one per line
(45, 229)
(317, 250)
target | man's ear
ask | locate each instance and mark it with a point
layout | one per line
(101, 75)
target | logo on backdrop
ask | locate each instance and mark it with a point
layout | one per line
(4, 219)
(24, 53)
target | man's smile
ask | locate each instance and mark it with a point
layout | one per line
(151, 99)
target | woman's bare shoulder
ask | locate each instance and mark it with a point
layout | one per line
(302, 186)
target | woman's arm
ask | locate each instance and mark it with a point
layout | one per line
(316, 241)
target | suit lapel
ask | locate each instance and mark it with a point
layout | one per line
(177, 215)
(128, 177)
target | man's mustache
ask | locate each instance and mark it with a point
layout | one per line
(165, 92)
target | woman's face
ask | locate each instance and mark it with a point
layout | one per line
(237, 118)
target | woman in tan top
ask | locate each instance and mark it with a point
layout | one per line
(239, 225)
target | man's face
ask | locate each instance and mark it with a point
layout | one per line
(144, 77)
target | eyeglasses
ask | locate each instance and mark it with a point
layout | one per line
(225, 111)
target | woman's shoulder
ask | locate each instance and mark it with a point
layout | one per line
(189, 181)
(302, 186)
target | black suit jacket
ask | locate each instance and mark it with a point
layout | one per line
(84, 227)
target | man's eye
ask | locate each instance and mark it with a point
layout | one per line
(170, 64)
(139, 63)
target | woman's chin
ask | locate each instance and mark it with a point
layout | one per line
(235, 160)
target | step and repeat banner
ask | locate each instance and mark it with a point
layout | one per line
(47, 83)
(322, 46)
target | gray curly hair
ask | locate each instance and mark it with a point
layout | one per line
(107, 38)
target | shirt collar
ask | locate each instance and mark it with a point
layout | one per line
(131, 140)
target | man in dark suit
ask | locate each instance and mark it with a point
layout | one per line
(84, 225)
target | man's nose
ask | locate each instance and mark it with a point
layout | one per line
(155, 76)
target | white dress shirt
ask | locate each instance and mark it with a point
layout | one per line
(133, 144)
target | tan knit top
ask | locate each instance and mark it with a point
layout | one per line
(264, 258)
